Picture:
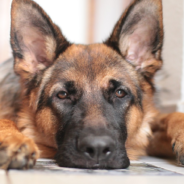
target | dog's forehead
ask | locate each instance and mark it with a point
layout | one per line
(96, 62)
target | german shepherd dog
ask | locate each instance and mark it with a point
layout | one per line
(87, 106)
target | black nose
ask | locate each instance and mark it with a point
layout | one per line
(96, 147)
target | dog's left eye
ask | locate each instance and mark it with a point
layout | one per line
(120, 93)
(62, 95)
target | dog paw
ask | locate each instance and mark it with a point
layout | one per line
(178, 149)
(17, 152)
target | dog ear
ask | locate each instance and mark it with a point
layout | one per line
(36, 41)
(138, 36)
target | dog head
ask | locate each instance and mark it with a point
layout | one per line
(88, 98)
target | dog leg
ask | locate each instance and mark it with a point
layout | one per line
(168, 137)
(175, 130)
(16, 150)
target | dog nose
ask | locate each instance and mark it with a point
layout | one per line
(96, 147)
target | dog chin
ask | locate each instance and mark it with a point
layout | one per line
(83, 163)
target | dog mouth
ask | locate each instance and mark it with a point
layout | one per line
(106, 166)
(96, 166)
(83, 163)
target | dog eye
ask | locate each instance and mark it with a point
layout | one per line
(62, 95)
(120, 93)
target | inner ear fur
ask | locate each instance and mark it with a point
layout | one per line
(36, 41)
(138, 36)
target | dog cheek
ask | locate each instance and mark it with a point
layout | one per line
(136, 143)
(46, 123)
(134, 119)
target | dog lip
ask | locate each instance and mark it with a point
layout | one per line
(96, 165)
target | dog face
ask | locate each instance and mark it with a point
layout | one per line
(90, 97)
(87, 97)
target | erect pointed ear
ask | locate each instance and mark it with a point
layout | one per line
(36, 41)
(138, 36)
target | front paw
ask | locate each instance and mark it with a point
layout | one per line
(17, 152)
(178, 148)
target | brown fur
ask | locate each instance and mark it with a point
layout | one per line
(38, 53)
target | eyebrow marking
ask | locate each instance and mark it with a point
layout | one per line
(54, 87)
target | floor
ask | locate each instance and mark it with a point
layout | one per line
(146, 170)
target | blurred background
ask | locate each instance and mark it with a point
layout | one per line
(89, 21)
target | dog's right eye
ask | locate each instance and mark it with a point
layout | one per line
(62, 95)
(120, 93)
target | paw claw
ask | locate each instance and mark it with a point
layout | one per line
(181, 159)
(173, 146)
